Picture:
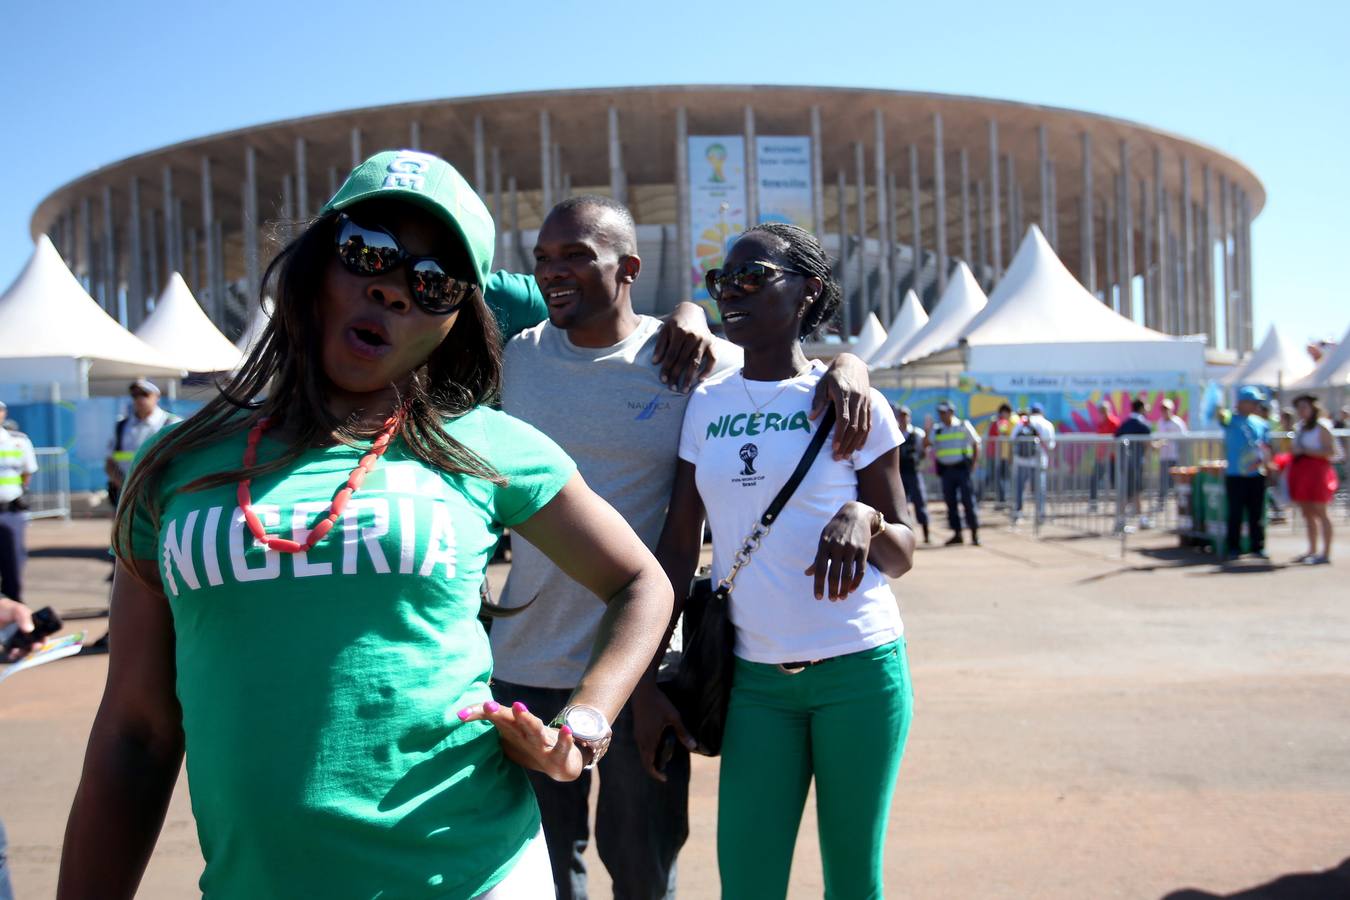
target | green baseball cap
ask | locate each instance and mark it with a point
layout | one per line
(436, 186)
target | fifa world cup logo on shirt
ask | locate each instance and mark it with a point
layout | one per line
(748, 454)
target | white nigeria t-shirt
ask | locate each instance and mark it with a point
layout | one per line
(744, 455)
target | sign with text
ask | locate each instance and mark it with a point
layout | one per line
(784, 176)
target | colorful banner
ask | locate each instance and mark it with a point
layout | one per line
(717, 206)
(1103, 383)
(784, 174)
(1071, 411)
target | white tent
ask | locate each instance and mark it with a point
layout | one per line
(1041, 320)
(262, 314)
(960, 302)
(1276, 363)
(870, 337)
(908, 320)
(52, 332)
(1333, 370)
(180, 330)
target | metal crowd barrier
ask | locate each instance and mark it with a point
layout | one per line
(1098, 485)
(48, 493)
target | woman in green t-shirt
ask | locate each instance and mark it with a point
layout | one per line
(298, 580)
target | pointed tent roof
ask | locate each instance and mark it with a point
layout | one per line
(46, 314)
(1276, 363)
(960, 302)
(1332, 371)
(908, 320)
(1039, 301)
(180, 330)
(870, 337)
(262, 314)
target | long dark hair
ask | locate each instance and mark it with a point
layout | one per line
(283, 377)
(1307, 422)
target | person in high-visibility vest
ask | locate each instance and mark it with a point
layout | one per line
(956, 445)
(17, 465)
(145, 420)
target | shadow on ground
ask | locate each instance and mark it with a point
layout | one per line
(99, 553)
(1333, 884)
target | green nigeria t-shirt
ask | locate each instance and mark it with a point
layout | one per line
(516, 301)
(319, 690)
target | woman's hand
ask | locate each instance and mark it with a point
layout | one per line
(841, 556)
(528, 742)
(684, 348)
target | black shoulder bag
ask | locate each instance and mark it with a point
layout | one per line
(701, 689)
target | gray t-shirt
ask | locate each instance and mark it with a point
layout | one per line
(609, 410)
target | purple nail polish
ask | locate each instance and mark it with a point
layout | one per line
(520, 707)
(491, 707)
(464, 715)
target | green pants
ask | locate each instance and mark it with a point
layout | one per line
(843, 722)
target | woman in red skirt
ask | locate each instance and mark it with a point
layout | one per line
(1312, 478)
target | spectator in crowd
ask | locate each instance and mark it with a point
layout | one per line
(18, 464)
(956, 446)
(912, 454)
(1104, 460)
(144, 421)
(1032, 441)
(586, 378)
(1169, 448)
(821, 689)
(1312, 477)
(998, 452)
(1135, 429)
(366, 756)
(1247, 447)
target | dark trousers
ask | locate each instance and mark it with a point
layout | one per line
(640, 823)
(1246, 497)
(956, 487)
(915, 493)
(13, 553)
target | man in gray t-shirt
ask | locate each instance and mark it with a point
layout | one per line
(586, 378)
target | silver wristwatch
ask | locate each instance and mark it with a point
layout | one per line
(591, 731)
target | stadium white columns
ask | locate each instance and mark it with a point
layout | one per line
(916, 221)
(497, 205)
(514, 204)
(414, 135)
(1126, 226)
(995, 231)
(1205, 259)
(87, 242)
(301, 180)
(981, 236)
(885, 240)
(355, 142)
(208, 233)
(845, 318)
(1043, 175)
(940, 203)
(1108, 249)
(965, 208)
(893, 248)
(1188, 249)
(152, 255)
(752, 169)
(479, 157)
(618, 181)
(545, 162)
(136, 256)
(817, 175)
(109, 279)
(173, 262)
(1246, 211)
(1149, 298)
(1225, 234)
(1087, 266)
(252, 266)
(1052, 235)
(683, 225)
(1163, 320)
(1014, 224)
(860, 174)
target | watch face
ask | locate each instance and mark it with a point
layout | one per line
(587, 723)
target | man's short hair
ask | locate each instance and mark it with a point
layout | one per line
(1137, 405)
(624, 237)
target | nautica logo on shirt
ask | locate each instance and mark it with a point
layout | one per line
(195, 535)
(738, 424)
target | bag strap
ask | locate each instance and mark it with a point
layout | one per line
(752, 541)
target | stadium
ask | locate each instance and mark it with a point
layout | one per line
(900, 186)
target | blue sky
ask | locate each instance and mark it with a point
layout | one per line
(85, 84)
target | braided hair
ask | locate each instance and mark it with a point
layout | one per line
(804, 254)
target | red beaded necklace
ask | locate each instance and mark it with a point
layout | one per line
(324, 525)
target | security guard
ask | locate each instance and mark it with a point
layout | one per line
(956, 445)
(145, 420)
(912, 452)
(17, 465)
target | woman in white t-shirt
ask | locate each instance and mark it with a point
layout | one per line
(821, 686)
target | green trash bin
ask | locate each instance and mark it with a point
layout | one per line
(1213, 496)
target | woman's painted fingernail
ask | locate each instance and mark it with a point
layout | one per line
(464, 714)
(564, 732)
(520, 707)
(491, 707)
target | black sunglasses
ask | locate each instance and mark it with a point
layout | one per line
(369, 251)
(747, 278)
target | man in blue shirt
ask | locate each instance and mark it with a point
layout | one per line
(1247, 445)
